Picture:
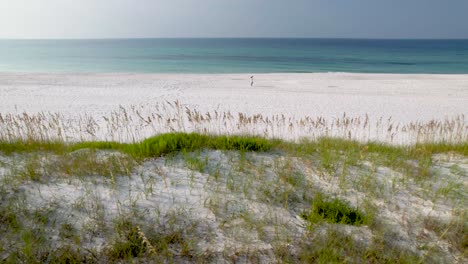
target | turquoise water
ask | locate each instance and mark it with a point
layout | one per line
(235, 55)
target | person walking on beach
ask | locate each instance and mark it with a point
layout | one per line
(251, 81)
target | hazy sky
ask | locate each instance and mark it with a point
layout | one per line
(233, 18)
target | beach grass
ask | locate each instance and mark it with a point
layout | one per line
(172, 142)
(152, 147)
(136, 123)
(170, 197)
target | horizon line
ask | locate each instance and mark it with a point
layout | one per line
(143, 38)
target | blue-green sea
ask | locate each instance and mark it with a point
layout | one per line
(235, 55)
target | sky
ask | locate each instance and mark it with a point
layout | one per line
(233, 18)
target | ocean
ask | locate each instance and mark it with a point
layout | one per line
(235, 55)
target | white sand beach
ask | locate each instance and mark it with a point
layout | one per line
(402, 97)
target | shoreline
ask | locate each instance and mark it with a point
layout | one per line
(225, 73)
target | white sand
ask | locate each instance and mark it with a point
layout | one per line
(405, 98)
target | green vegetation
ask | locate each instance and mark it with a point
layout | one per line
(329, 149)
(334, 154)
(334, 211)
(157, 245)
(19, 146)
(454, 232)
(151, 147)
(171, 198)
(337, 247)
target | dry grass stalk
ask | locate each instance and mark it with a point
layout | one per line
(134, 123)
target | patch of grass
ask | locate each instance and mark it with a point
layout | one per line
(336, 246)
(42, 215)
(32, 242)
(32, 169)
(96, 145)
(152, 147)
(18, 146)
(441, 147)
(412, 160)
(172, 142)
(334, 211)
(195, 162)
(167, 143)
(129, 245)
(66, 231)
(455, 231)
(8, 219)
(70, 255)
(158, 244)
(84, 162)
(89, 163)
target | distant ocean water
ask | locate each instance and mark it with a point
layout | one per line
(235, 56)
